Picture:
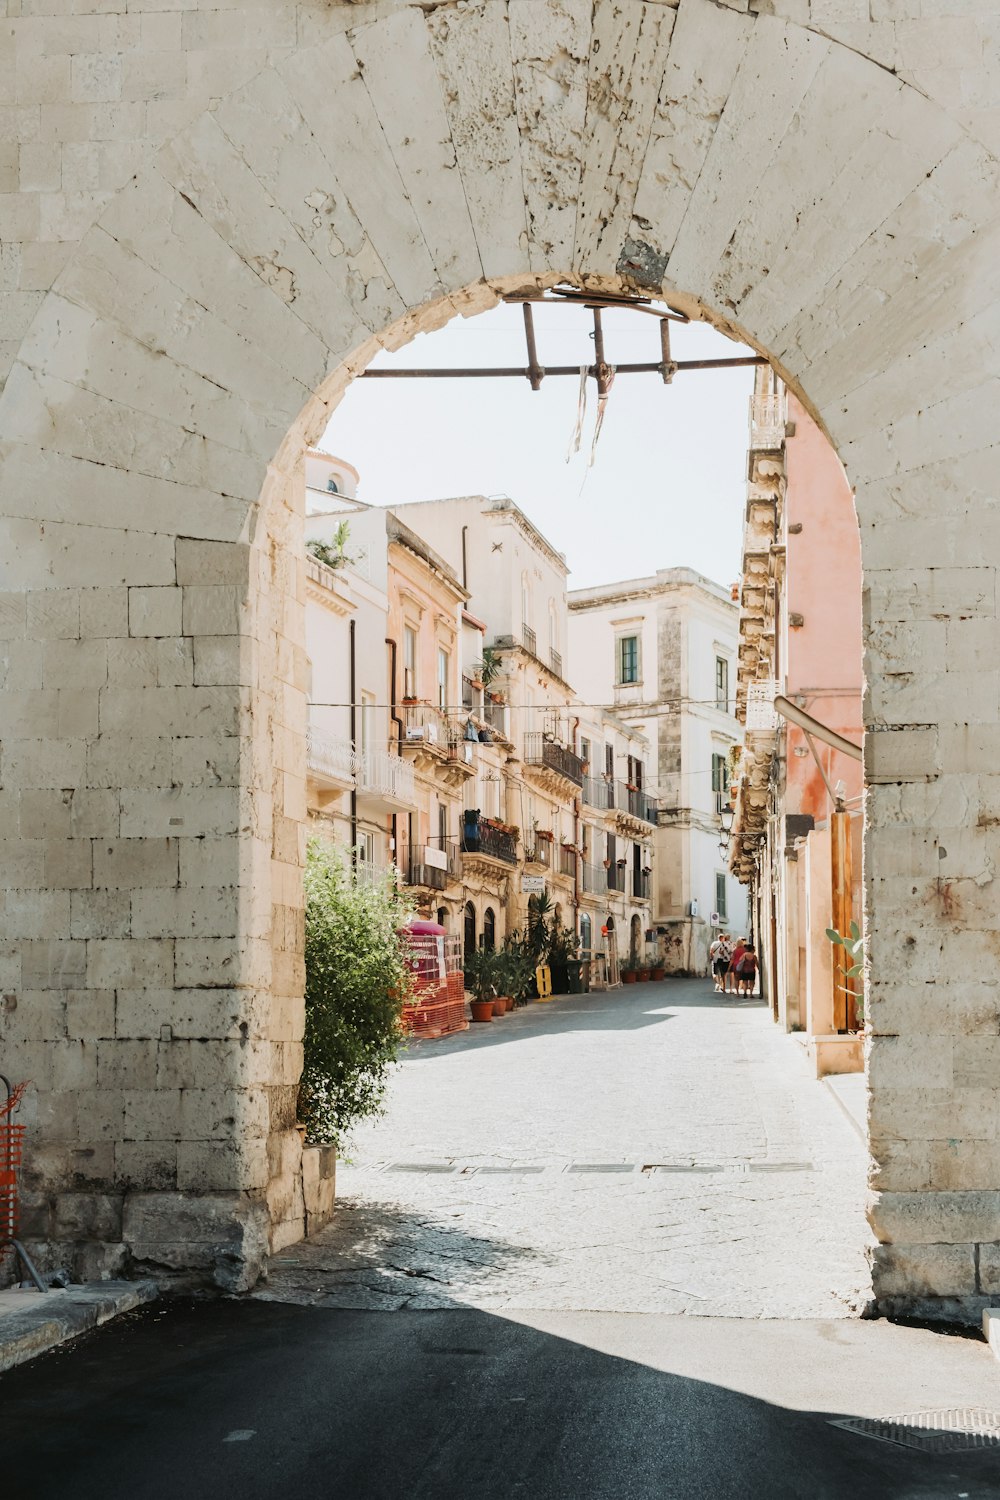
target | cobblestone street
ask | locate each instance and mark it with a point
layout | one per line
(654, 1149)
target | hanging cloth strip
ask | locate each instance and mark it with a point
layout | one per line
(581, 413)
(602, 406)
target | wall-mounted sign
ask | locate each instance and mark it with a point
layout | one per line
(532, 885)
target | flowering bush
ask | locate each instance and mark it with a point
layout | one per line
(357, 980)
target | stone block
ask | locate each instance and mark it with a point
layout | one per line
(214, 610)
(923, 1270)
(124, 759)
(46, 813)
(192, 813)
(201, 562)
(901, 755)
(154, 611)
(207, 1165)
(224, 1233)
(54, 965)
(104, 612)
(129, 962)
(53, 614)
(936, 1217)
(146, 1165)
(152, 1114)
(190, 911)
(224, 1114)
(124, 864)
(100, 914)
(89, 1014)
(125, 1064)
(88, 1216)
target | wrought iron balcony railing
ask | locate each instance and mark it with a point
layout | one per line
(530, 639)
(567, 861)
(540, 751)
(495, 843)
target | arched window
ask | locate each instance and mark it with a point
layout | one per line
(586, 934)
(442, 916)
(489, 929)
(470, 929)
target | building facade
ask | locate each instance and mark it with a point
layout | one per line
(660, 652)
(796, 840)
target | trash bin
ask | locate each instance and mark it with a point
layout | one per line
(574, 974)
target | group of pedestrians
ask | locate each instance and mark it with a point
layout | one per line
(734, 965)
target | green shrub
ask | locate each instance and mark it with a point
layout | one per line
(357, 980)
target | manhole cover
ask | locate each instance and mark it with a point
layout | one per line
(954, 1430)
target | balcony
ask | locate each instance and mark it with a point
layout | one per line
(637, 803)
(768, 415)
(541, 853)
(567, 861)
(368, 872)
(640, 885)
(597, 792)
(489, 842)
(555, 661)
(495, 715)
(616, 877)
(546, 754)
(594, 879)
(428, 867)
(330, 757)
(529, 639)
(385, 778)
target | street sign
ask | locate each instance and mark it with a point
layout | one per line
(532, 885)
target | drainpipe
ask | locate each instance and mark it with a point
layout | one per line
(465, 559)
(352, 634)
(576, 867)
(395, 719)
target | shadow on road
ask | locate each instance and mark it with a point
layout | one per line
(218, 1400)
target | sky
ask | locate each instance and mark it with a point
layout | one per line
(668, 483)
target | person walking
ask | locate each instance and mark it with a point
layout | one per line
(733, 973)
(748, 970)
(719, 961)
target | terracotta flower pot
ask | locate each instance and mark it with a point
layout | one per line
(482, 1010)
(630, 976)
(508, 1002)
(499, 1006)
(658, 973)
(644, 974)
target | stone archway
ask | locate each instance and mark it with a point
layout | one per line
(194, 343)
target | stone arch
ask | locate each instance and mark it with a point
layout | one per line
(155, 418)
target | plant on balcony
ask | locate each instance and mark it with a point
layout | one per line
(334, 553)
(357, 980)
(545, 834)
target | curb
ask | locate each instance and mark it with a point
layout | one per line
(50, 1318)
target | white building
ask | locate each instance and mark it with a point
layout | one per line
(661, 652)
(357, 783)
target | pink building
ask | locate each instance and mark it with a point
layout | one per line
(800, 638)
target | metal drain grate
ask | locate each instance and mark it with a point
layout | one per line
(420, 1166)
(601, 1166)
(954, 1430)
(782, 1166)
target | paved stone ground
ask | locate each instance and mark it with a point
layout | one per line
(647, 1150)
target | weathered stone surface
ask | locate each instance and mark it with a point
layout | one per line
(202, 245)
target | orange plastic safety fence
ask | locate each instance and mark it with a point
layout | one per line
(11, 1146)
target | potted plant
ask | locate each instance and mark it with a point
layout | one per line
(643, 972)
(480, 976)
(628, 973)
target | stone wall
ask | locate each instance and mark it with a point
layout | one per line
(215, 215)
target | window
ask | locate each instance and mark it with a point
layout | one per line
(332, 486)
(469, 929)
(720, 895)
(443, 661)
(720, 781)
(409, 662)
(442, 833)
(586, 934)
(489, 929)
(722, 684)
(585, 752)
(628, 659)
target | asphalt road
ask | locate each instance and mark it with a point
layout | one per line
(212, 1400)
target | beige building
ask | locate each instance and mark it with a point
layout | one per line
(660, 652)
(798, 800)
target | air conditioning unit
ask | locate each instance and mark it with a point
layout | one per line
(416, 731)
